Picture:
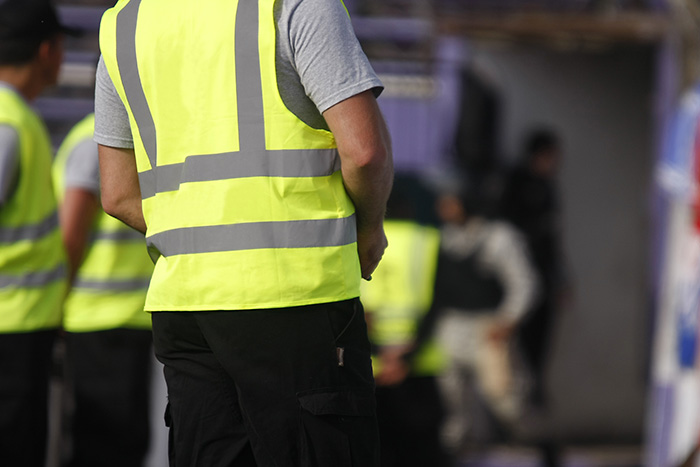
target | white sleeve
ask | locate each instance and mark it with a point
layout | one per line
(506, 254)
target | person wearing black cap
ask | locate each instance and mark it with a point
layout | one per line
(32, 261)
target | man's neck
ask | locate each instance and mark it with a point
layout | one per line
(22, 79)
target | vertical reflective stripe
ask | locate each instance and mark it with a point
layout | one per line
(129, 71)
(251, 120)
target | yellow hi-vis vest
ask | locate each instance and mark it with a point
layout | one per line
(32, 259)
(401, 292)
(244, 202)
(109, 289)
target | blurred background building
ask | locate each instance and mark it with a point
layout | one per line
(466, 80)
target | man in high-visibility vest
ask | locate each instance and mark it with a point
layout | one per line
(108, 334)
(409, 408)
(32, 261)
(222, 127)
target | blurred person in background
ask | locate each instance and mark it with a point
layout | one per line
(409, 408)
(531, 203)
(32, 260)
(108, 333)
(484, 285)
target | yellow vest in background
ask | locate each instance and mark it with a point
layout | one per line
(110, 286)
(401, 292)
(244, 202)
(32, 259)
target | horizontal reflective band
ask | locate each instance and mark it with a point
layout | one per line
(29, 232)
(127, 285)
(255, 235)
(118, 236)
(33, 279)
(225, 166)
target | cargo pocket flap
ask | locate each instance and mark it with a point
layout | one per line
(341, 402)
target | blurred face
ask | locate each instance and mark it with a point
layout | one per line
(546, 163)
(450, 210)
(50, 59)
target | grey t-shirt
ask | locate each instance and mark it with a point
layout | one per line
(83, 168)
(9, 162)
(319, 64)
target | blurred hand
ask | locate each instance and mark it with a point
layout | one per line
(394, 368)
(501, 331)
(370, 247)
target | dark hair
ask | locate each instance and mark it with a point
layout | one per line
(24, 25)
(539, 141)
(18, 52)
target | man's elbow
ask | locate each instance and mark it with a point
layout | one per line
(113, 205)
(375, 157)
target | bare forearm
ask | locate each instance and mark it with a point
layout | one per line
(369, 186)
(365, 152)
(364, 146)
(77, 214)
(121, 194)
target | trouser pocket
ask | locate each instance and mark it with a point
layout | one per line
(338, 428)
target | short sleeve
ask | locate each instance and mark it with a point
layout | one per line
(327, 55)
(83, 168)
(9, 162)
(111, 119)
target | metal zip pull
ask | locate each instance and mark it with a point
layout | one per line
(340, 353)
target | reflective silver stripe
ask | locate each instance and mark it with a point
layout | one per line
(129, 71)
(255, 235)
(253, 159)
(33, 279)
(118, 236)
(282, 163)
(31, 232)
(127, 285)
(251, 120)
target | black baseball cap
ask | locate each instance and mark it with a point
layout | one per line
(30, 20)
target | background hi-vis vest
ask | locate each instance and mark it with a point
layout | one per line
(110, 286)
(401, 292)
(32, 259)
(244, 202)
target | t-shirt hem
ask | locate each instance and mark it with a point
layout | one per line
(369, 84)
(93, 188)
(112, 141)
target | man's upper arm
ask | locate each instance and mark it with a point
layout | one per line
(359, 129)
(327, 55)
(9, 162)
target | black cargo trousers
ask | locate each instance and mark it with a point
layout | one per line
(275, 387)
